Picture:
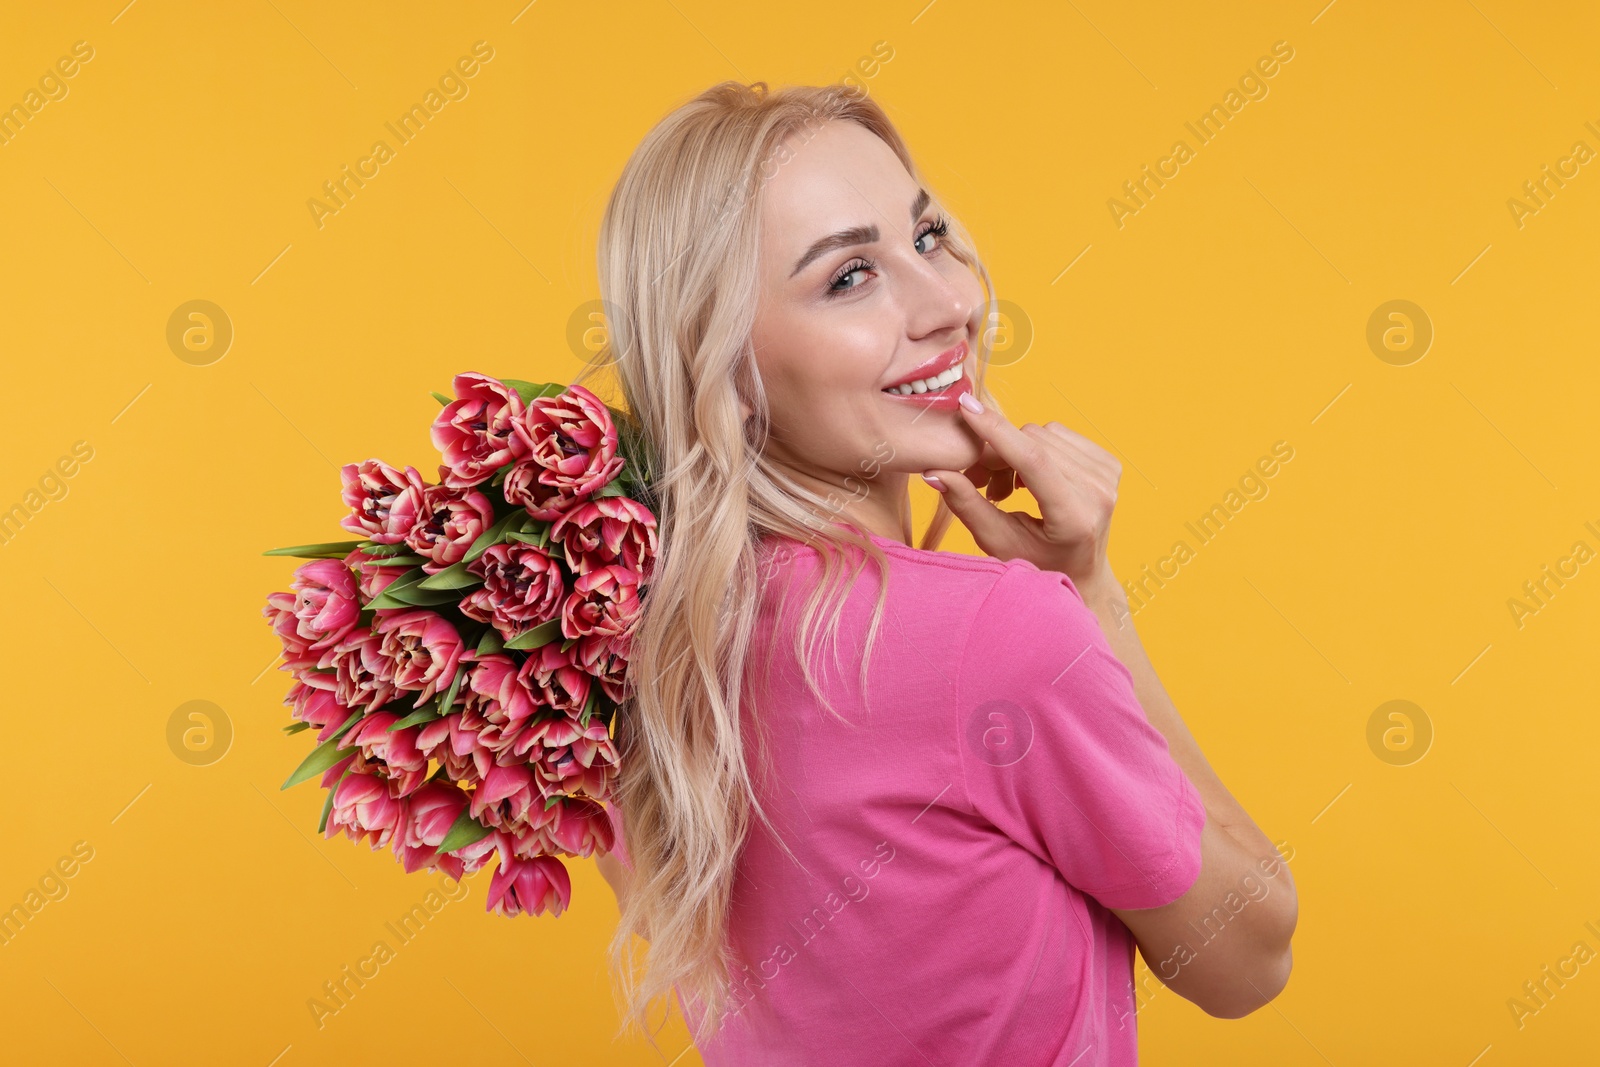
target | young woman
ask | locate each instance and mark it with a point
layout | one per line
(947, 854)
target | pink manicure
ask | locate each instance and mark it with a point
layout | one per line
(970, 402)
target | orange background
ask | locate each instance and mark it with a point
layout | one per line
(1228, 313)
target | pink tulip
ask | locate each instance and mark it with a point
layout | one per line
(604, 657)
(500, 697)
(604, 602)
(573, 438)
(450, 520)
(426, 817)
(363, 808)
(384, 502)
(280, 613)
(405, 767)
(556, 679)
(318, 706)
(582, 827)
(453, 741)
(373, 573)
(475, 432)
(505, 797)
(363, 675)
(326, 602)
(609, 529)
(477, 605)
(532, 886)
(475, 856)
(522, 486)
(575, 759)
(423, 649)
(523, 584)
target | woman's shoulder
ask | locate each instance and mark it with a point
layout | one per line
(961, 593)
(1012, 578)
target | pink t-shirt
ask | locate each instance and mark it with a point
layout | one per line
(998, 790)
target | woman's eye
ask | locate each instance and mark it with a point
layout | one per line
(838, 286)
(841, 283)
(937, 229)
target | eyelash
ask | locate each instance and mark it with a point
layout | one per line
(939, 229)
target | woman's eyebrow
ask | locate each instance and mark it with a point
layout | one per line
(855, 235)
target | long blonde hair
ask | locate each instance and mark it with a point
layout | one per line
(677, 260)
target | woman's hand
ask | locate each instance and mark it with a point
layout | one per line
(1073, 479)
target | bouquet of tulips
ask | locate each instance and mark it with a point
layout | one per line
(464, 662)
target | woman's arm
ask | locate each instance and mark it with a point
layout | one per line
(1227, 956)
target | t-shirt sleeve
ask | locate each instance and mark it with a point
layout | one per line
(1058, 755)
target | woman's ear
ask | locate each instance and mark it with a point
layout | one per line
(744, 411)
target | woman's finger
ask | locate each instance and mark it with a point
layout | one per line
(993, 529)
(1021, 452)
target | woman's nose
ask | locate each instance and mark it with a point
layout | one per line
(934, 301)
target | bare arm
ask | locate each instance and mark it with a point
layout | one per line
(1225, 943)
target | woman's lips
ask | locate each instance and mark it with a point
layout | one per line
(942, 399)
(938, 365)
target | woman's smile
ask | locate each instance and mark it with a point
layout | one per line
(938, 383)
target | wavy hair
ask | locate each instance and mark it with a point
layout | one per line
(677, 261)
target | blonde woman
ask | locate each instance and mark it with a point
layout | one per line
(881, 803)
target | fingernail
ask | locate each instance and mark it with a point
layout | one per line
(970, 402)
(933, 481)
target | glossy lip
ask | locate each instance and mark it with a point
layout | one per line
(939, 364)
(947, 399)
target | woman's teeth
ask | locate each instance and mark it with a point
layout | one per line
(928, 385)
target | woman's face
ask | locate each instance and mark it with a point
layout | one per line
(858, 295)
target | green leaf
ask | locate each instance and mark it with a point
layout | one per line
(327, 803)
(566, 646)
(492, 535)
(542, 634)
(414, 596)
(526, 538)
(491, 641)
(427, 713)
(401, 561)
(611, 488)
(372, 548)
(455, 576)
(550, 800)
(531, 391)
(448, 701)
(392, 593)
(465, 831)
(442, 399)
(325, 550)
(323, 756)
(295, 727)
